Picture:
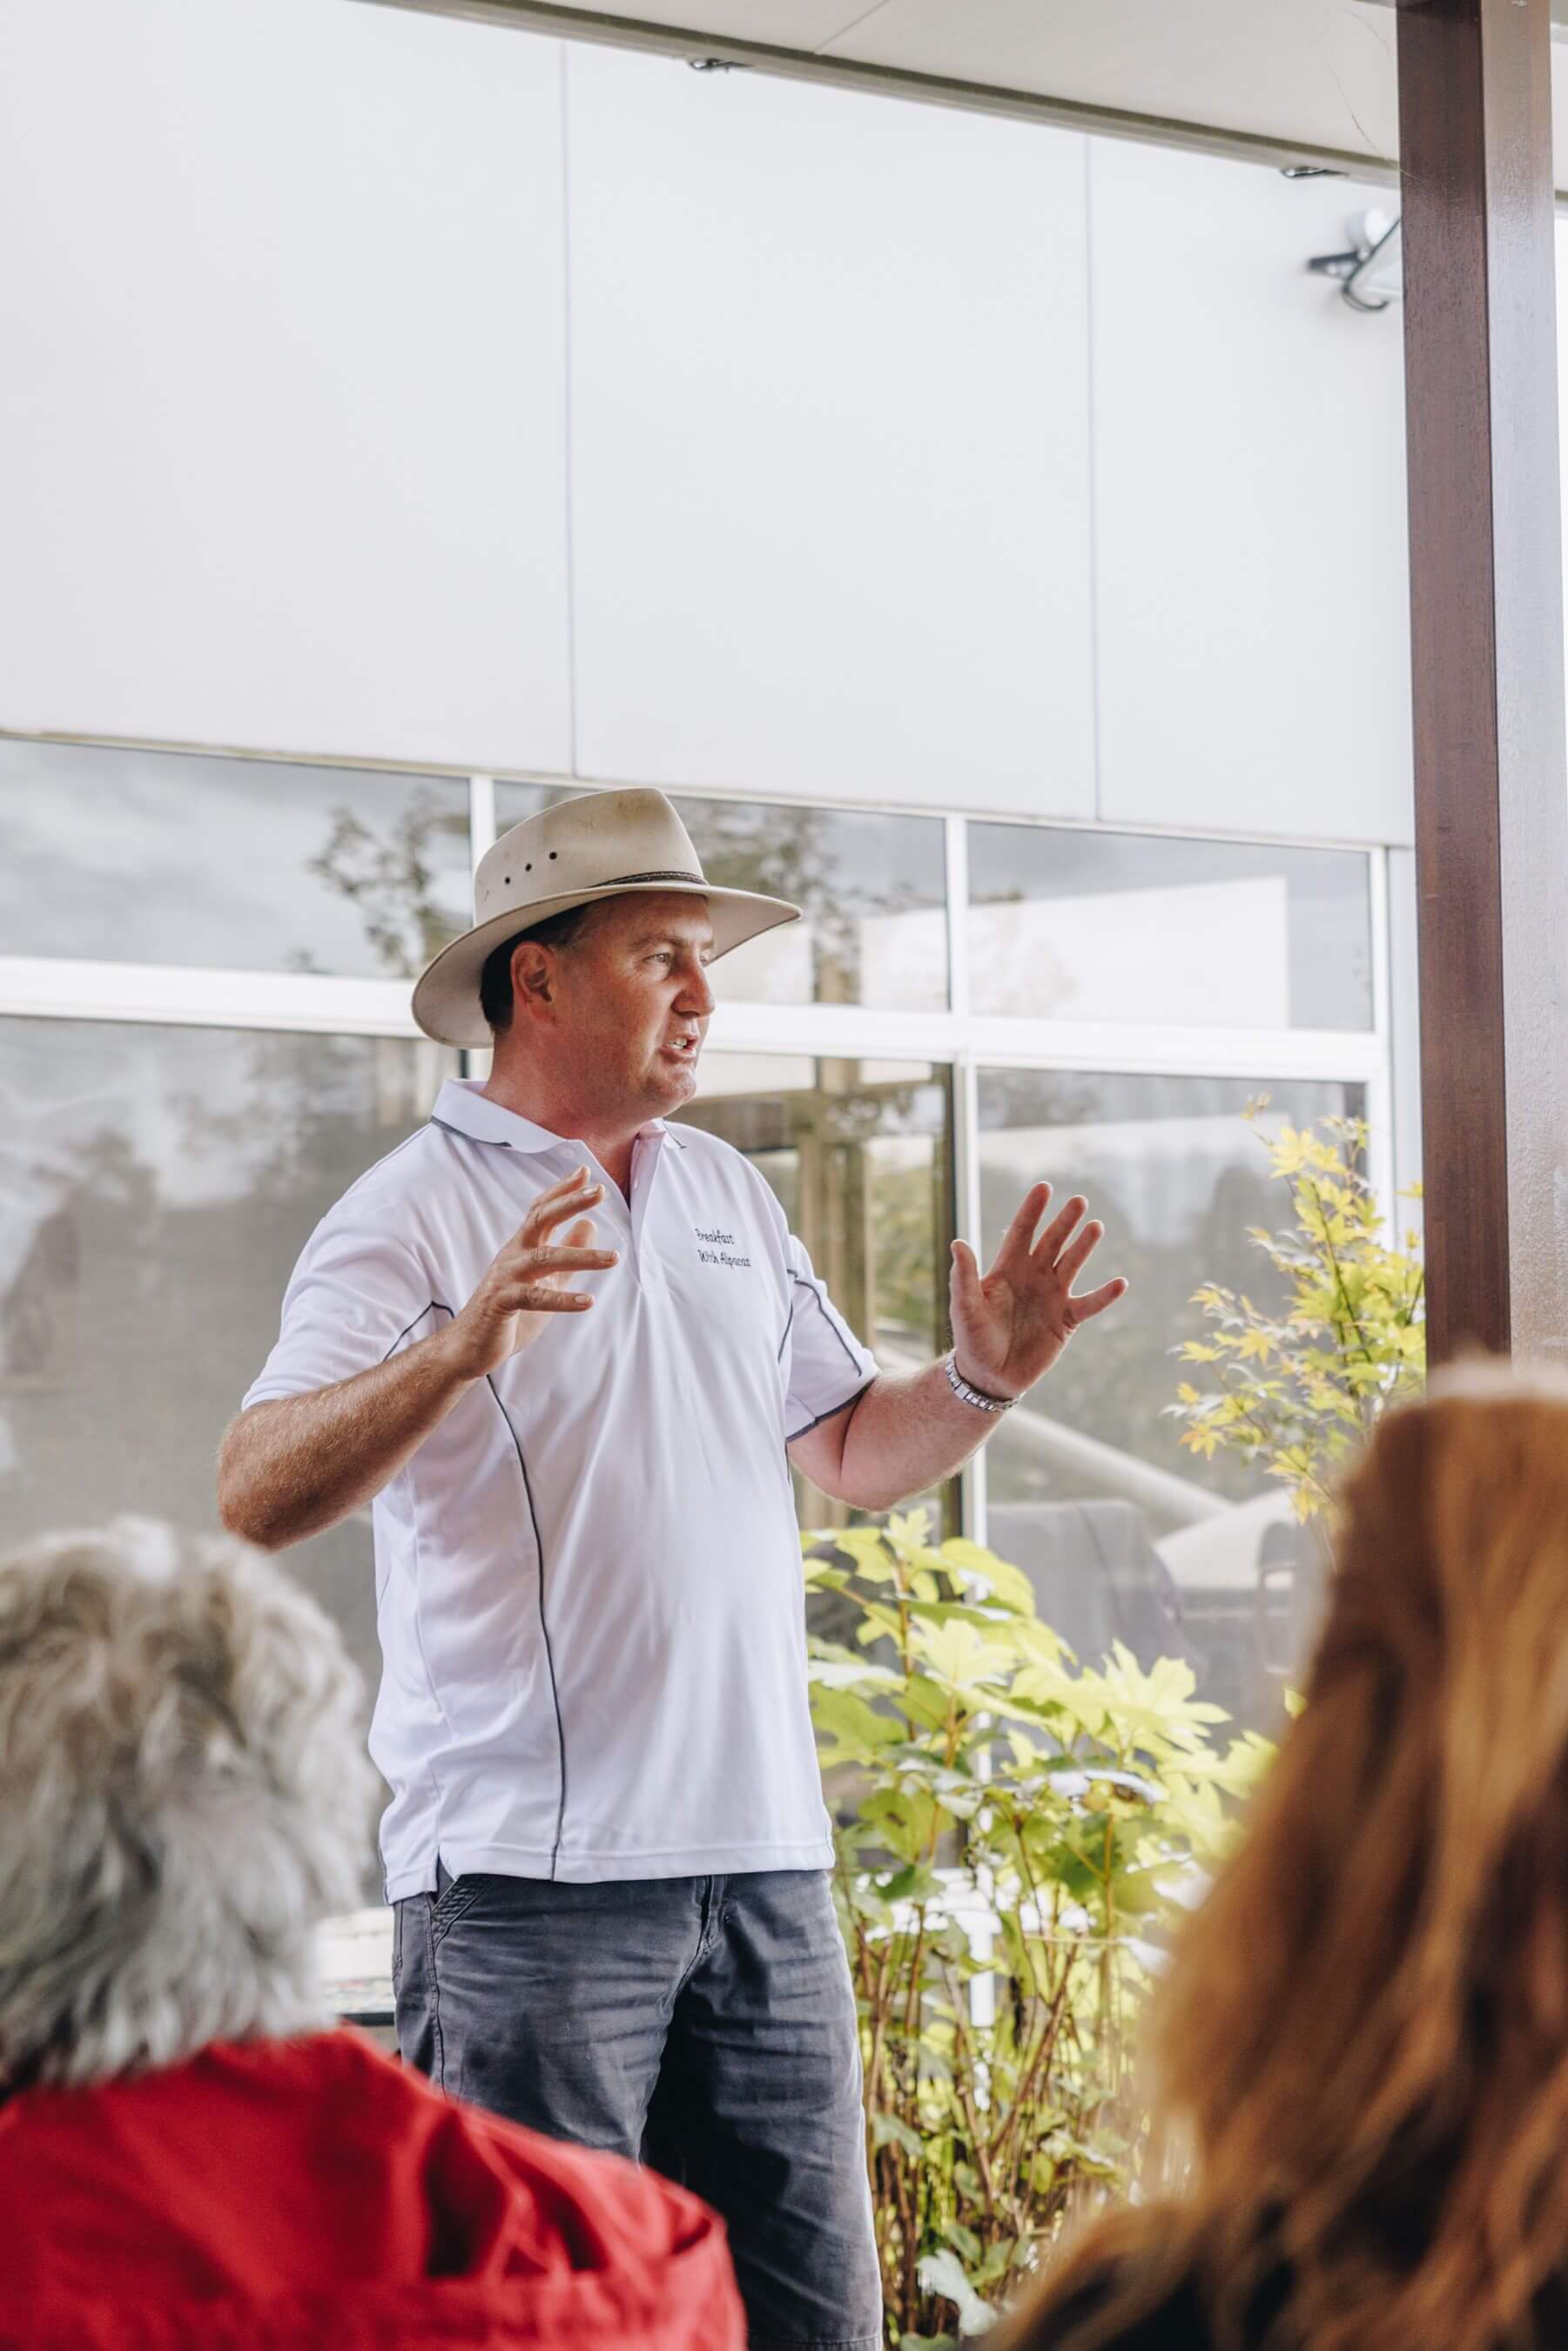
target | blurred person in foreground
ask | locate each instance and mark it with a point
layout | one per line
(187, 2157)
(1364, 2037)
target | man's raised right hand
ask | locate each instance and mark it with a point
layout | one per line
(525, 1282)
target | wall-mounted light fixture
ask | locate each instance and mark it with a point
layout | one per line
(1370, 274)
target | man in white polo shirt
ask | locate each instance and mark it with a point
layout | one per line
(567, 1353)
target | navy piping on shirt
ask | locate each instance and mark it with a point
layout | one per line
(833, 1413)
(438, 1306)
(829, 1317)
(499, 1142)
(544, 1625)
(496, 1142)
(407, 1327)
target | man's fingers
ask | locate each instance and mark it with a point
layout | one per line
(1095, 1302)
(1079, 1251)
(965, 1274)
(569, 1198)
(544, 1297)
(564, 1261)
(1021, 1232)
(551, 1210)
(579, 1175)
(575, 1182)
(1053, 1240)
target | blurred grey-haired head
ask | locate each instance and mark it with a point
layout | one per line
(183, 1795)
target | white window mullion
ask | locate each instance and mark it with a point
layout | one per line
(481, 837)
(61, 988)
(1382, 1142)
(66, 988)
(481, 816)
(957, 863)
(1149, 1048)
(967, 1188)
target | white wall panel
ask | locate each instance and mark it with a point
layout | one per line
(1249, 488)
(282, 405)
(830, 486)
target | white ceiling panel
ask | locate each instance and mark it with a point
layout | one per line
(1284, 80)
(789, 23)
(1318, 70)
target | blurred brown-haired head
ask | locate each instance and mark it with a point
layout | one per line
(1363, 2038)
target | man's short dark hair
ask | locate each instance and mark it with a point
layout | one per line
(495, 980)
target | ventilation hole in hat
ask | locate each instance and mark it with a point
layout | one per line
(528, 868)
(554, 855)
(505, 878)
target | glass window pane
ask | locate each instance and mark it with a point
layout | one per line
(858, 1154)
(1124, 1531)
(156, 1185)
(239, 865)
(874, 888)
(1069, 925)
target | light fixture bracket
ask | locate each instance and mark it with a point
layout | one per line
(1369, 274)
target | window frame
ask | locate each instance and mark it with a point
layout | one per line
(962, 1041)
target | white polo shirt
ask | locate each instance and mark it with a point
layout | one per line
(589, 1586)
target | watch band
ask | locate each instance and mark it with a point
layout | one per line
(976, 1396)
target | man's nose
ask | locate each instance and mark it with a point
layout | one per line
(697, 997)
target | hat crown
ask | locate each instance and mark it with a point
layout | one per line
(589, 842)
(594, 845)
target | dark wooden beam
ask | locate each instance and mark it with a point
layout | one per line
(1486, 599)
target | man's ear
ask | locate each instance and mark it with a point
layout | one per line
(531, 977)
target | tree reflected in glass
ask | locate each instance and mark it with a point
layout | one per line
(857, 1154)
(873, 889)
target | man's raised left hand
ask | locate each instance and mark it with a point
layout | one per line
(1010, 1324)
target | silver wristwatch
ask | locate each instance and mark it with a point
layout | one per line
(967, 1395)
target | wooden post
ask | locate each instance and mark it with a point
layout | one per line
(1486, 591)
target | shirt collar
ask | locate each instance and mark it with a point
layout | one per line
(463, 1105)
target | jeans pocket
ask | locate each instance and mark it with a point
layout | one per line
(456, 1900)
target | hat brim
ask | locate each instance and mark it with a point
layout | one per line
(447, 995)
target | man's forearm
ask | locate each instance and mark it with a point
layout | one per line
(907, 1433)
(296, 1466)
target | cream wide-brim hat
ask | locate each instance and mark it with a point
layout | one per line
(595, 845)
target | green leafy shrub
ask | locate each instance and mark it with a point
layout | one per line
(1299, 1390)
(1015, 1833)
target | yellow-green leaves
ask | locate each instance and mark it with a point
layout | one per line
(1298, 1391)
(1005, 1587)
(958, 1656)
(1017, 1833)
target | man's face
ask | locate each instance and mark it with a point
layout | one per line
(633, 1004)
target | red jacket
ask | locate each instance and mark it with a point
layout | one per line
(312, 2196)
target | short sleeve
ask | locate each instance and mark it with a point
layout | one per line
(352, 1297)
(826, 1364)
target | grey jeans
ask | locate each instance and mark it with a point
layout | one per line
(704, 2025)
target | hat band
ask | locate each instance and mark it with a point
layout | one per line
(674, 873)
